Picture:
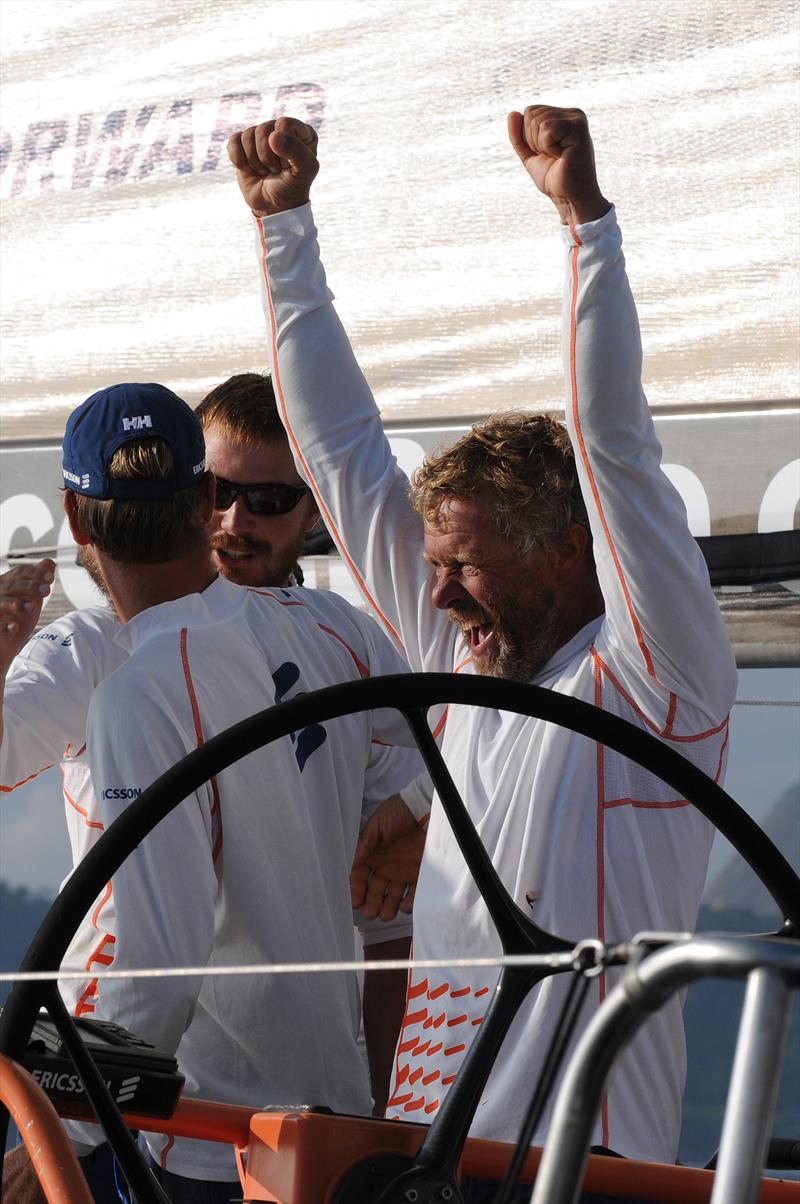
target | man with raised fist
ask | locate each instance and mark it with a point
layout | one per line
(558, 555)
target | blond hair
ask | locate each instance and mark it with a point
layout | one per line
(523, 465)
(147, 531)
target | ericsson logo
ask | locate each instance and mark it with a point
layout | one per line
(137, 423)
(74, 479)
(127, 1088)
(124, 792)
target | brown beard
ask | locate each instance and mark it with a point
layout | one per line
(280, 567)
(87, 559)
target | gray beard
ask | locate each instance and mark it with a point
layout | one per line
(522, 648)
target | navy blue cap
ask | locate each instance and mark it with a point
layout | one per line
(118, 414)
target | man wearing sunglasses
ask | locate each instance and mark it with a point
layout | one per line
(262, 510)
(261, 514)
(253, 868)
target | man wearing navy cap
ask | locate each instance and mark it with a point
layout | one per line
(253, 867)
(114, 416)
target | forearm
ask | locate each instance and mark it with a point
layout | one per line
(383, 1004)
(336, 434)
(659, 605)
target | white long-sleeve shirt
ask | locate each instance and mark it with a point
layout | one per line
(585, 841)
(254, 866)
(48, 693)
(46, 701)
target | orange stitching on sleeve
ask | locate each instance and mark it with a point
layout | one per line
(29, 778)
(573, 375)
(187, 674)
(673, 706)
(101, 905)
(600, 855)
(721, 760)
(362, 668)
(600, 833)
(643, 804)
(332, 527)
(216, 810)
(90, 823)
(437, 731)
(618, 686)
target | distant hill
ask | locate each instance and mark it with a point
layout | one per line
(735, 886)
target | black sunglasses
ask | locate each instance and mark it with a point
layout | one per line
(271, 499)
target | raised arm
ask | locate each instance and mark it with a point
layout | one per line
(332, 421)
(663, 620)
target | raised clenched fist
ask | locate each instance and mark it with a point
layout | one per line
(275, 164)
(555, 148)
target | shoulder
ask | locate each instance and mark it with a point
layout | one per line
(328, 614)
(303, 605)
(93, 623)
(82, 640)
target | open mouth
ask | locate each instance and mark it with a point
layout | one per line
(479, 638)
(231, 555)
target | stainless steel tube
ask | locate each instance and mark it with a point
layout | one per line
(642, 990)
(753, 1088)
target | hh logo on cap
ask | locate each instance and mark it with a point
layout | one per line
(137, 423)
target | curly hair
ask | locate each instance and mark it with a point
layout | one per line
(523, 464)
(144, 532)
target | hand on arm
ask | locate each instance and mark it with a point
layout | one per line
(555, 148)
(275, 163)
(386, 864)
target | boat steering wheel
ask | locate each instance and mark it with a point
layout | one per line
(412, 695)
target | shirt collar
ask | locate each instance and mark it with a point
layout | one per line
(578, 645)
(216, 602)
